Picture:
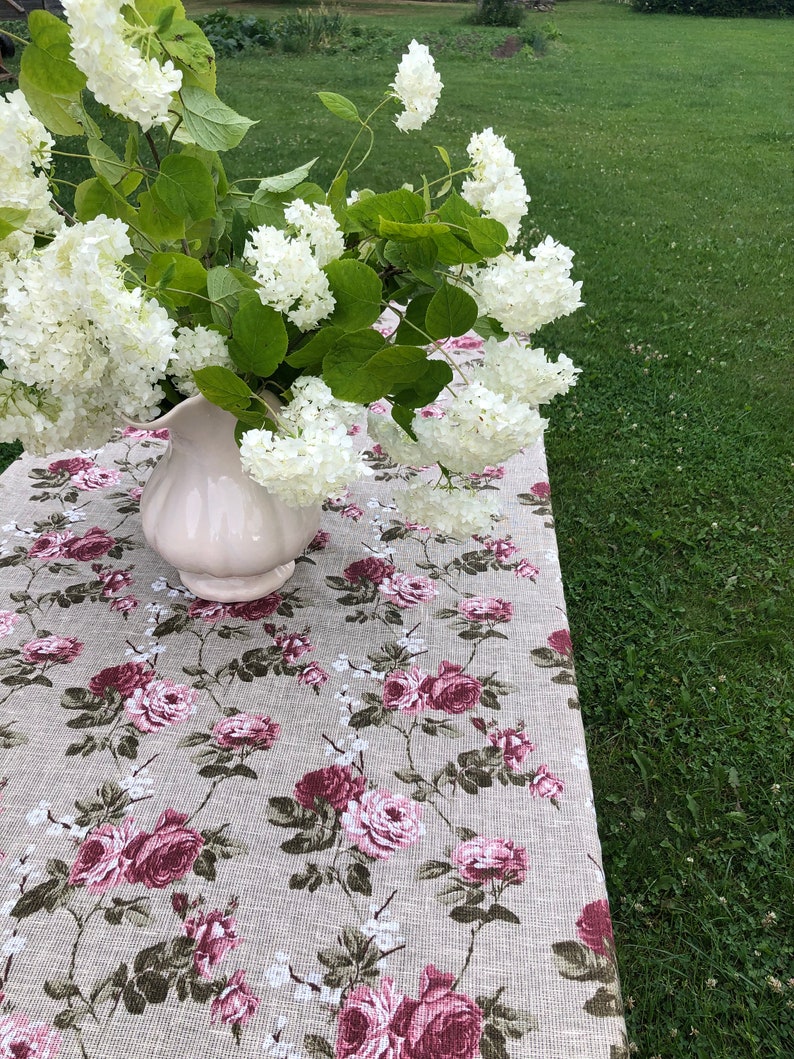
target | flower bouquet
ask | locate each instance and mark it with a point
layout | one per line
(166, 279)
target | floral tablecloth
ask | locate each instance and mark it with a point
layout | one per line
(351, 819)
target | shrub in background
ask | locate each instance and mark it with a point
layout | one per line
(718, 8)
(498, 13)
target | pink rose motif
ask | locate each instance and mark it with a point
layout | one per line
(255, 609)
(502, 548)
(335, 784)
(406, 690)
(488, 474)
(527, 569)
(236, 1004)
(453, 691)
(102, 859)
(51, 545)
(441, 1024)
(364, 1027)
(114, 581)
(293, 645)
(313, 676)
(370, 569)
(60, 649)
(545, 784)
(379, 408)
(406, 591)
(381, 823)
(125, 679)
(560, 641)
(72, 466)
(432, 411)
(466, 342)
(22, 1039)
(215, 935)
(125, 604)
(8, 619)
(355, 430)
(92, 545)
(485, 608)
(352, 511)
(159, 704)
(514, 744)
(484, 860)
(320, 540)
(594, 928)
(246, 729)
(542, 490)
(164, 855)
(136, 432)
(136, 493)
(209, 611)
(96, 478)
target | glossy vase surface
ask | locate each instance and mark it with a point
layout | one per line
(229, 538)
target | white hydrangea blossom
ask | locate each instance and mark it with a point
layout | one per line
(418, 86)
(289, 277)
(523, 295)
(104, 48)
(456, 513)
(481, 428)
(400, 446)
(317, 224)
(313, 456)
(196, 348)
(79, 347)
(516, 370)
(497, 187)
(25, 147)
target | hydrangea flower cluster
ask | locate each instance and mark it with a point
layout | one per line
(80, 347)
(317, 224)
(454, 512)
(524, 295)
(25, 147)
(515, 369)
(496, 186)
(313, 456)
(418, 86)
(289, 276)
(196, 348)
(117, 73)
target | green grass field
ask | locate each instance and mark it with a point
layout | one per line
(660, 149)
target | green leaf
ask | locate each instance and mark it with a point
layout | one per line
(186, 277)
(444, 156)
(451, 312)
(579, 963)
(11, 220)
(414, 315)
(191, 52)
(95, 196)
(355, 375)
(336, 199)
(358, 879)
(427, 387)
(259, 337)
(185, 187)
(433, 869)
(210, 123)
(311, 353)
(224, 286)
(47, 61)
(403, 206)
(286, 181)
(405, 233)
(107, 164)
(223, 388)
(358, 293)
(60, 114)
(466, 914)
(456, 210)
(339, 105)
(487, 236)
(134, 1001)
(501, 913)
(153, 986)
(318, 1047)
(157, 221)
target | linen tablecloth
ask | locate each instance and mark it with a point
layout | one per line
(353, 818)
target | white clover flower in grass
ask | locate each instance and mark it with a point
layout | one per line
(104, 48)
(289, 277)
(418, 86)
(25, 147)
(196, 348)
(515, 369)
(522, 294)
(456, 513)
(317, 224)
(481, 428)
(496, 187)
(79, 347)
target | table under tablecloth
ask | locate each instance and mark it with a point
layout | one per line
(353, 818)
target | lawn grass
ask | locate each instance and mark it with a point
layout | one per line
(659, 148)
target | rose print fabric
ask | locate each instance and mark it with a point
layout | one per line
(350, 820)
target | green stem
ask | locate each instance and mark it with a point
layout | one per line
(364, 125)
